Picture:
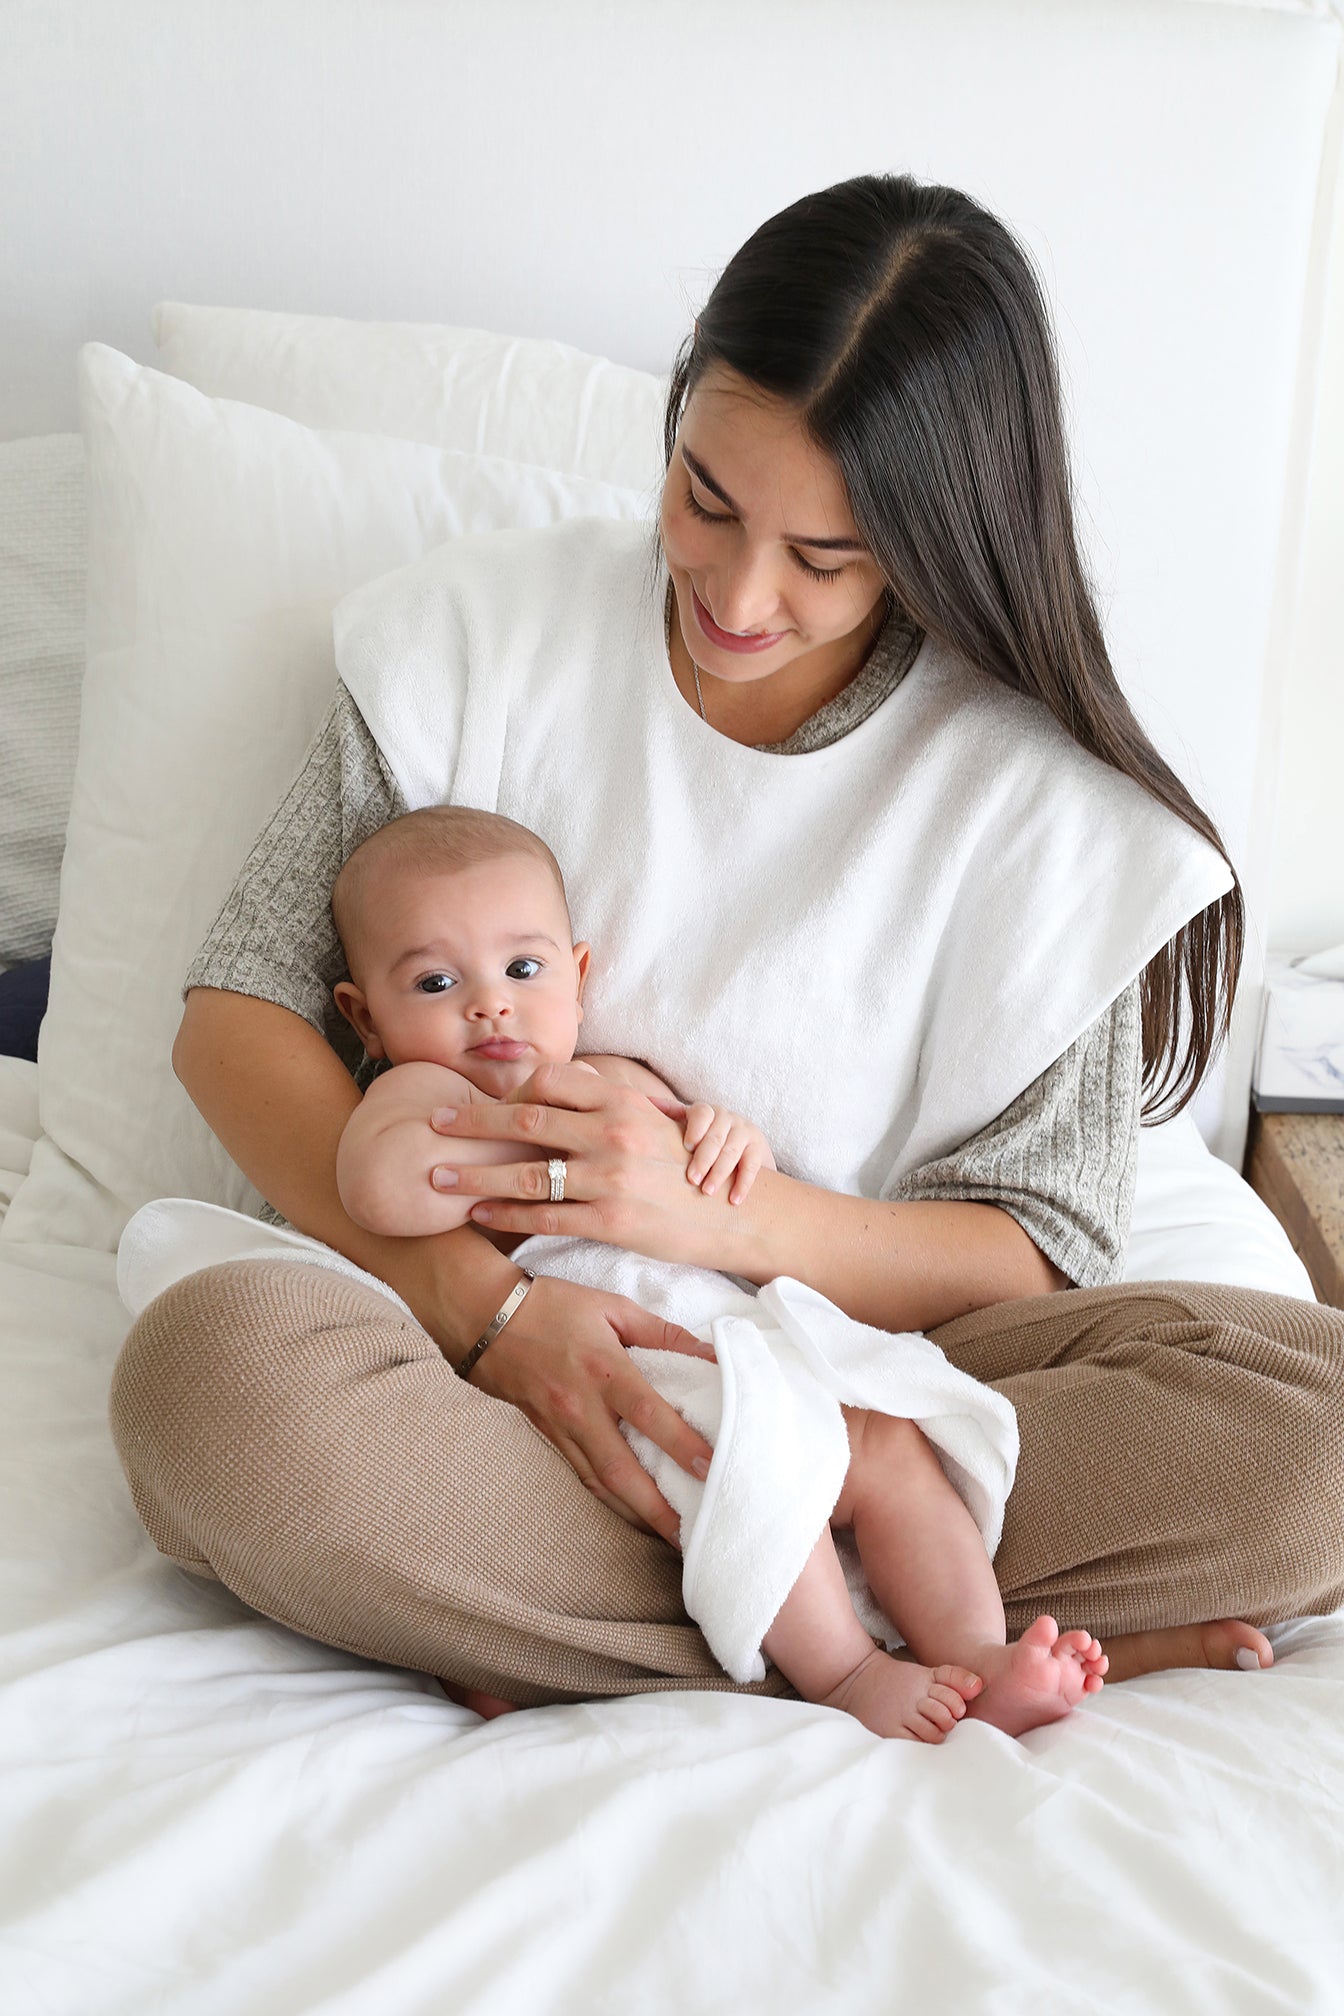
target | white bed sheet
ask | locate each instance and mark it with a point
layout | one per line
(202, 1814)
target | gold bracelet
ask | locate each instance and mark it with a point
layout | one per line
(516, 1297)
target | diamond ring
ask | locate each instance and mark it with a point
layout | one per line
(557, 1169)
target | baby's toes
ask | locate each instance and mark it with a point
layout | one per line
(938, 1713)
(959, 1678)
(1078, 1644)
(1093, 1683)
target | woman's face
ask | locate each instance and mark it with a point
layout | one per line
(767, 566)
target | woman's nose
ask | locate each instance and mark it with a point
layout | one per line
(746, 595)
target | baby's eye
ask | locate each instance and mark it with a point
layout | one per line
(435, 983)
(512, 969)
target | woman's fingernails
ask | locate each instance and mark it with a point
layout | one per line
(700, 1467)
(444, 1179)
(443, 1116)
(481, 1214)
(1247, 1659)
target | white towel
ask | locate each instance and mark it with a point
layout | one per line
(770, 1406)
(786, 1361)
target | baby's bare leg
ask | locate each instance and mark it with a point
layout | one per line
(818, 1643)
(926, 1564)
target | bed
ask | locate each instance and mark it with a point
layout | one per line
(202, 1814)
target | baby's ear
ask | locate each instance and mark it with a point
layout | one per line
(350, 1000)
(583, 953)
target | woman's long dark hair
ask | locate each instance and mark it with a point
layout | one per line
(907, 326)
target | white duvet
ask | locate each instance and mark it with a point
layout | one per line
(204, 1815)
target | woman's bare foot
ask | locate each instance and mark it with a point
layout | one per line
(1226, 1643)
(487, 1706)
(1039, 1679)
(894, 1697)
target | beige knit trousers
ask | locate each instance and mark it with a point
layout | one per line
(290, 1432)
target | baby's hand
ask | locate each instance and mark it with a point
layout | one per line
(724, 1143)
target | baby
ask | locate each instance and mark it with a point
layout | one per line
(465, 978)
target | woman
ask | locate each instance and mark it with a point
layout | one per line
(876, 624)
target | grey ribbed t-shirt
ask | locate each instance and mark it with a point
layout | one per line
(1060, 1159)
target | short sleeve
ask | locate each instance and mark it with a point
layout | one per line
(274, 936)
(1061, 1159)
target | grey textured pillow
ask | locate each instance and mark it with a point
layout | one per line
(42, 563)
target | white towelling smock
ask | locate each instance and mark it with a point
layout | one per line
(870, 950)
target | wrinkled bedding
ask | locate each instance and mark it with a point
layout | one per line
(202, 1813)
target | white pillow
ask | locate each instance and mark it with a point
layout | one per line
(529, 400)
(220, 539)
(42, 541)
(1195, 1219)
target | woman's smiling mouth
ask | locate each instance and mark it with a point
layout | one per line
(730, 640)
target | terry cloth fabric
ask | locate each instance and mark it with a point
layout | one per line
(871, 949)
(1060, 1159)
(786, 1361)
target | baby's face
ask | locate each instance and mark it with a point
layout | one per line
(473, 969)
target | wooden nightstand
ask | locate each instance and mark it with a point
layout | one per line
(1295, 1161)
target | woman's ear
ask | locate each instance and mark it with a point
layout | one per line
(350, 1000)
(583, 953)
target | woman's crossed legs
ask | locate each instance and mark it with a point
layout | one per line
(290, 1431)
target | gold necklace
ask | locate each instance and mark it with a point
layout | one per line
(667, 632)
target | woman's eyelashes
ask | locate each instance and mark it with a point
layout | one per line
(725, 518)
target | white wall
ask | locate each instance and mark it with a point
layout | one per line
(1306, 903)
(579, 170)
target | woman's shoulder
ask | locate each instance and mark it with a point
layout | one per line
(489, 582)
(441, 655)
(1008, 768)
(1013, 741)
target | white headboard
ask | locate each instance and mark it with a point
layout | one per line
(581, 170)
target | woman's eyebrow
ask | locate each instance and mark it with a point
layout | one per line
(702, 475)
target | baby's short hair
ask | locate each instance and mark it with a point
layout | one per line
(442, 839)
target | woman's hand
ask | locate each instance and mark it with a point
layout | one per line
(562, 1359)
(625, 1182)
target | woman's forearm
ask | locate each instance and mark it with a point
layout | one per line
(278, 1097)
(903, 1266)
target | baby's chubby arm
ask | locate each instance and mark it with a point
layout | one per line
(388, 1150)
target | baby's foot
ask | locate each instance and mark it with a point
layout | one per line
(892, 1697)
(1039, 1679)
